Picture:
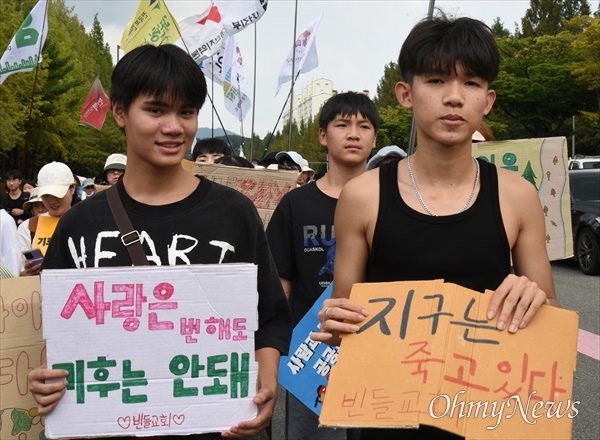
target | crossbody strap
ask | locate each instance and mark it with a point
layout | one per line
(129, 236)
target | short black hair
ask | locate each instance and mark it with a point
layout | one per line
(438, 45)
(165, 72)
(234, 161)
(349, 104)
(211, 146)
(13, 174)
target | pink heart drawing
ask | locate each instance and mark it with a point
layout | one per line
(179, 419)
(124, 422)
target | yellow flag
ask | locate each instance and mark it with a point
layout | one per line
(151, 24)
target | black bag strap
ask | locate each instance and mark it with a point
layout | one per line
(129, 236)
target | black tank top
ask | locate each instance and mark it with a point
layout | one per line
(470, 249)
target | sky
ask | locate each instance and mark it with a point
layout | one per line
(355, 40)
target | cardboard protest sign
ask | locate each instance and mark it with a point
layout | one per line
(43, 233)
(21, 350)
(264, 187)
(544, 163)
(152, 350)
(305, 371)
(427, 354)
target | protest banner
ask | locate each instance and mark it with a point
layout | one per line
(305, 371)
(151, 350)
(544, 163)
(427, 354)
(264, 187)
(21, 350)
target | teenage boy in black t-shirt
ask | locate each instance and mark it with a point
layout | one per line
(156, 95)
(301, 233)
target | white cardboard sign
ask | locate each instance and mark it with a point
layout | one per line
(152, 350)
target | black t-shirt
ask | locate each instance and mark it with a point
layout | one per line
(302, 240)
(214, 224)
(9, 204)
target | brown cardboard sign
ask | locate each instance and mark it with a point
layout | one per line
(22, 350)
(264, 187)
(427, 354)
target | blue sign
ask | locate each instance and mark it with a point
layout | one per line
(305, 371)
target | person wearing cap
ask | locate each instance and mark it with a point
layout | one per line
(306, 174)
(301, 233)
(114, 167)
(289, 161)
(182, 219)
(89, 187)
(385, 155)
(55, 189)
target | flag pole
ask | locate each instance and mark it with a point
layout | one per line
(212, 85)
(253, 99)
(292, 86)
(33, 94)
(209, 98)
(278, 119)
(413, 127)
(241, 119)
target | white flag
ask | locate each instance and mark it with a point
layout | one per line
(212, 67)
(306, 54)
(24, 52)
(235, 82)
(237, 15)
(204, 34)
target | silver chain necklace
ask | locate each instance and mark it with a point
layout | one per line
(418, 194)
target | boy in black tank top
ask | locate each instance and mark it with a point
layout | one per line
(447, 67)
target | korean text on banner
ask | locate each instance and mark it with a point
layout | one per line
(427, 354)
(305, 371)
(203, 35)
(238, 15)
(22, 349)
(104, 326)
(96, 106)
(24, 52)
(543, 162)
(306, 58)
(235, 82)
(152, 24)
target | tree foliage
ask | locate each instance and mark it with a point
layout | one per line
(545, 17)
(71, 60)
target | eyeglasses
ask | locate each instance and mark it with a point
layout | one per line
(89, 187)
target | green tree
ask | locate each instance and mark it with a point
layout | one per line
(536, 91)
(71, 60)
(529, 175)
(499, 30)
(587, 73)
(386, 94)
(544, 17)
